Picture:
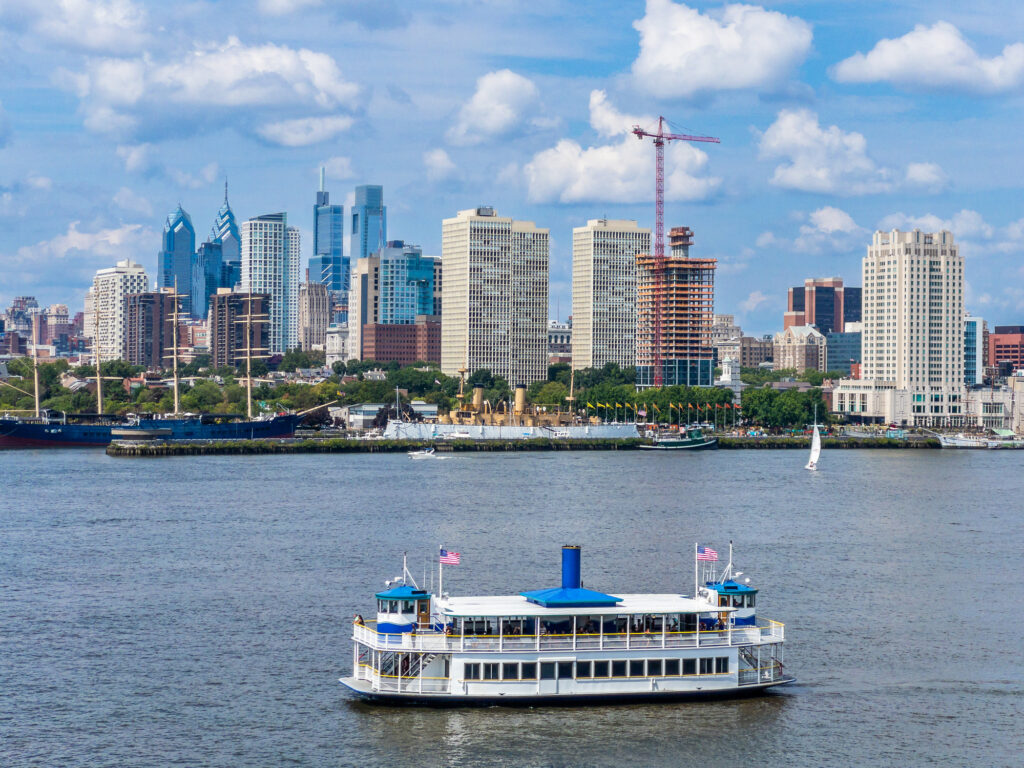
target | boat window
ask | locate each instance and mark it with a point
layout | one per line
(737, 601)
(509, 671)
(547, 670)
(751, 600)
(407, 606)
(584, 669)
(618, 669)
(706, 666)
(654, 668)
(529, 670)
(689, 666)
(636, 668)
(564, 670)
(600, 669)
(471, 672)
(722, 665)
(672, 667)
(392, 607)
(723, 600)
(491, 671)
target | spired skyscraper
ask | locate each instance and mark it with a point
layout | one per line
(217, 263)
(369, 222)
(328, 265)
(175, 259)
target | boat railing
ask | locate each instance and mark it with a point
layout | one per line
(432, 641)
(767, 673)
(402, 683)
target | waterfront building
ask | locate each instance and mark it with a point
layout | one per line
(149, 331)
(329, 264)
(687, 297)
(270, 264)
(438, 273)
(405, 344)
(369, 231)
(495, 296)
(1006, 346)
(336, 344)
(824, 303)
(228, 329)
(912, 360)
(604, 291)
(107, 305)
(406, 284)
(843, 349)
(363, 301)
(176, 257)
(314, 315)
(800, 348)
(559, 342)
(975, 350)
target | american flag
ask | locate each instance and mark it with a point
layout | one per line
(705, 553)
(450, 558)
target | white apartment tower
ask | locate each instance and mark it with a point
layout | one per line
(604, 291)
(106, 321)
(495, 296)
(270, 253)
(913, 339)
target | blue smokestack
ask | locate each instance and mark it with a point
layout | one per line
(571, 567)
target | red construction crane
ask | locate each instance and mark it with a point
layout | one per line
(659, 227)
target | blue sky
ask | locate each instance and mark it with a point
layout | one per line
(836, 118)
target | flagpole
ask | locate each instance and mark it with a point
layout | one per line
(440, 572)
(696, 580)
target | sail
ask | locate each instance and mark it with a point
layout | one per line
(815, 448)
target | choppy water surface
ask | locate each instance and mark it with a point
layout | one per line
(196, 611)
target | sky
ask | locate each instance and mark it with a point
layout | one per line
(835, 119)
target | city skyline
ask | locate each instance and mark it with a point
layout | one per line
(828, 136)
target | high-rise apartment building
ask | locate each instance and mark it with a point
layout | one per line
(270, 264)
(687, 299)
(975, 350)
(329, 264)
(800, 348)
(149, 329)
(314, 315)
(363, 301)
(912, 356)
(604, 291)
(1006, 346)
(107, 305)
(369, 230)
(406, 284)
(176, 257)
(495, 296)
(235, 320)
(824, 303)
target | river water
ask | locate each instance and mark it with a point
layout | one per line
(196, 611)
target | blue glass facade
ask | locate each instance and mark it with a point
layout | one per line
(974, 355)
(174, 262)
(841, 351)
(369, 219)
(329, 265)
(218, 262)
(683, 373)
(406, 287)
(206, 277)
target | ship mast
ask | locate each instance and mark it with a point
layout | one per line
(96, 351)
(35, 359)
(248, 359)
(174, 350)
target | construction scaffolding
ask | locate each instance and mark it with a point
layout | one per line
(683, 297)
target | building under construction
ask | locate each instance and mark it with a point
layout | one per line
(674, 313)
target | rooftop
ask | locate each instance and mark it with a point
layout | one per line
(517, 605)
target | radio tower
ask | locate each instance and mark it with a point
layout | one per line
(659, 228)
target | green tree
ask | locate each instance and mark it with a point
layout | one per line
(204, 397)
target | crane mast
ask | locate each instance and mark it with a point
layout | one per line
(658, 276)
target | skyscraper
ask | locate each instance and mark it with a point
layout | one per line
(328, 265)
(175, 259)
(149, 331)
(975, 347)
(107, 306)
(406, 284)
(823, 302)
(913, 341)
(495, 296)
(687, 298)
(225, 232)
(217, 262)
(314, 315)
(231, 325)
(604, 291)
(369, 230)
(270, 264)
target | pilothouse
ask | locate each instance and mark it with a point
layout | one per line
(567, 643)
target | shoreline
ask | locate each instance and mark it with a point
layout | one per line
(120, 449)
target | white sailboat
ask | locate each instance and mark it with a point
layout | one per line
(812, 462)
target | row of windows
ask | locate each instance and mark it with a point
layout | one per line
(587, 670)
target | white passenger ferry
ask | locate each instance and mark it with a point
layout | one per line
(568, 644)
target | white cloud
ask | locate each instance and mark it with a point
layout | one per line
(439, 165)
(129, 201)
(820, 159)
(618, 172)
(965, 224)
(206, 176)
(829, 229)
(928, 176)
(935, 57)
(339, 168)
(39, 182)
(136, 157)
(117, 26)
(207, 86)
(304, 131)
(501, 102)
(754, 300)
(684, 52)
(282, 7)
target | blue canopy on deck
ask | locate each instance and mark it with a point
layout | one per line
(569, 597)
(730, 586)
(403, 592)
